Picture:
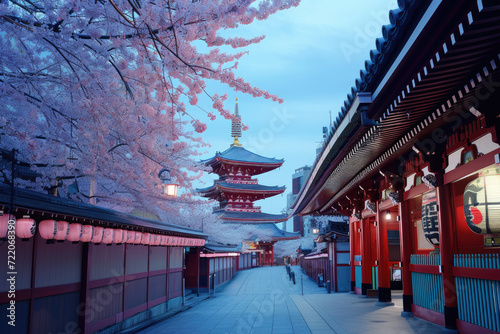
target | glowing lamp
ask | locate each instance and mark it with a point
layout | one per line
(315, 231)
(169, 187)
(75, 232)
(482, 204)
(87, 233)
(108, 235)
(25, 228)
(97, 235)
(388, 215)
(4, 223)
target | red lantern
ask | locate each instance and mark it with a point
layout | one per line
(120, 236)
(108, 235)
(4, 223)
(87, 233)
(62, 230)
(25, 228)
(130, 237)
(146, 238)
(138, 238)
(75, 232)
(97, 235)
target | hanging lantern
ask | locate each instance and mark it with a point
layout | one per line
(138, 238)
(25, 228)
(163, 240)
(75, 232)
(4, 223)
(430, 221)
(169, 187)
(130, 237)
(47, 229)
(157, 240)
(108, 235)
(146, 238)
(482, 204)
(120, 236)
(87, 233)
(97, 235)
(62, 230)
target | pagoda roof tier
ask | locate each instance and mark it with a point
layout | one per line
(273, 233)
(237, 155)
(241, 217)
(240, 188)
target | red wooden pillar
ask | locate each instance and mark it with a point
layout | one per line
(352, 240)
(446, 248)
(333, 266)
(384, 279)
(405, 249)
(366, 270)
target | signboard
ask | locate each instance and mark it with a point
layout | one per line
(430, 222)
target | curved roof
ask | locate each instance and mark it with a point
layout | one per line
(239, 154)
(273, 233)
(242, 187)
(251, 217)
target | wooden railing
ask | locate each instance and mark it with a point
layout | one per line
(427, 282)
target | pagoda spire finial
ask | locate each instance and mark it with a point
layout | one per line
(236, 126)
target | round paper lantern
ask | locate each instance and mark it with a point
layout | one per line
(97, 235)
(138, 238)
(163, 240)
(108, 235)
(146, 238)
(482, 204)
(25, 228)
(156, 240)
(47, 229)
(130, 237)
(62, 230)
(75, 232)
(120, 236)
(87, 233)
(4, 223)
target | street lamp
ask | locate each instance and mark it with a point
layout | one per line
(169, 187)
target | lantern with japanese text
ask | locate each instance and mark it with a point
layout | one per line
(25, 228)
(97, 235)
(146, 238)
(138, 238)
(163, 241)
(482, 203)
(62, 230)
(75, 232)
(130, 237)
(108, 235)
(120, 236)
(47, 229)
(87, 233)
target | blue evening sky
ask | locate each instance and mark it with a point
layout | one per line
(310, 57)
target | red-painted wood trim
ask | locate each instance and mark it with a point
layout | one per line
(157, 301)
(157, 272)
(357, 263)
(20, 295)
(105, 282)
(87, 249)
(91, 328)
(174, 270)
(147, 280)
(56, 290)
(132, 277)
(415, 191)
(467, 327)
(424, 268)
(386, 204)
(32, 283)
(471, 167)
(480, 273)
(119, 317)
(135, 310)
(428, 315)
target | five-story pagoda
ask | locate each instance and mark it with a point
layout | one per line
(237, 190)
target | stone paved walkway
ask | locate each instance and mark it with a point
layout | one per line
(264, 301)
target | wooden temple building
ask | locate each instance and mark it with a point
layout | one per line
(413, 159)
(237, 190)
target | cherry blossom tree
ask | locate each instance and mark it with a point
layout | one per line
(106, 92)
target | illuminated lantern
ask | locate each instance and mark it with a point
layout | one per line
(430, 221)
(120, 236)
(4, 223)
(87, 233)
(97, 235)
(482, 204)
(146, 238)
(62, 230)
(25, 228)
(130, 237)
(47, 229)
(75, 232)
(108, 235)
(138, 238)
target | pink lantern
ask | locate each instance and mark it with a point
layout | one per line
(130, 237)
(75, 232)
(25, 228)
(146, 238)
(120, 236)
(97, 235)
(108, 235)
(62, 230)
(156, 239)
(4, 223)
(47, 229)
(163, 240)
(87, 233)
(138, 238)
